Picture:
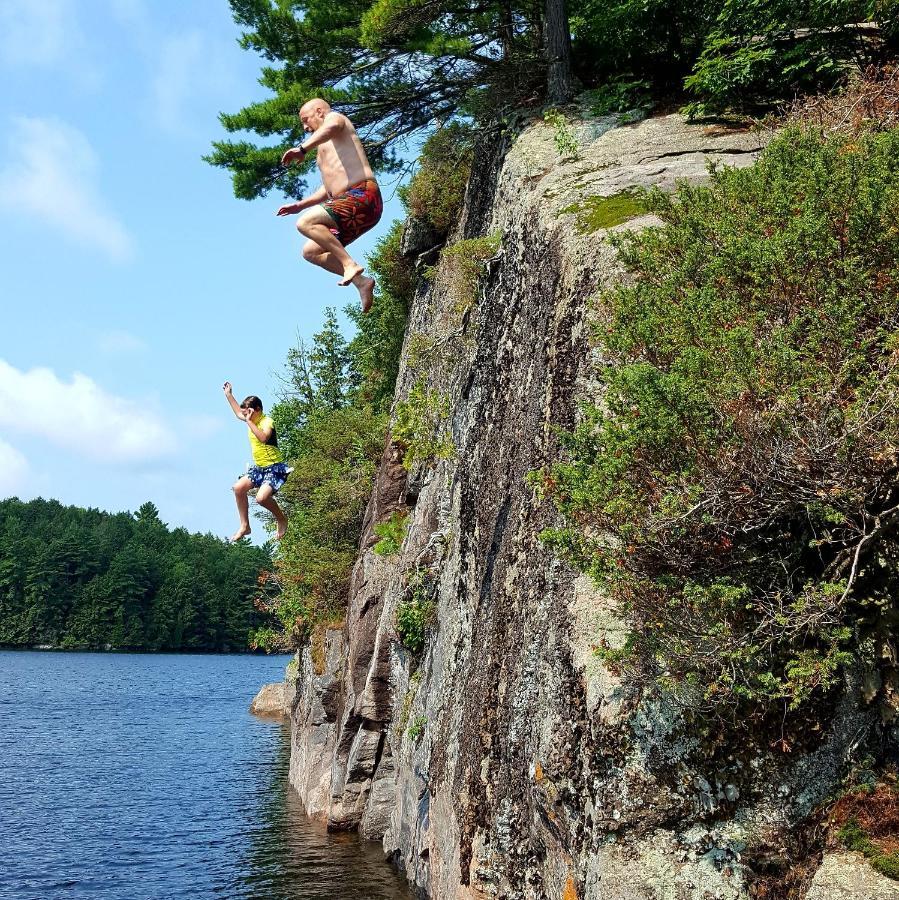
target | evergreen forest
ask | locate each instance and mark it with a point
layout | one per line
(77, 578)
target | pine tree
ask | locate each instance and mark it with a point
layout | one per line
(329, 363)
(394, 67)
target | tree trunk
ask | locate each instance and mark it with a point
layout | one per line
(506, 28)
(557, 37)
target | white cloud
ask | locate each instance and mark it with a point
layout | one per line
(120, 343)
(51, 176)
(203, 426)
(34, 33)
(46, 34)
(81, 416)
(13, 471)
(191, 67)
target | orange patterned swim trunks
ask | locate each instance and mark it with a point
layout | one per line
(355, 211)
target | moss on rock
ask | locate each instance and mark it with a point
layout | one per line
(595, 213)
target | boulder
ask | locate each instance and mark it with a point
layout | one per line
(848, 876)
(270, 701)
(418, 237)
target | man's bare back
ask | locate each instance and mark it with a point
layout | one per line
(346, 205)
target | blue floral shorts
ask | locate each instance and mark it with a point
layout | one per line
(275, 475)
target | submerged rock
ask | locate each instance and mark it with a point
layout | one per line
(270, 701)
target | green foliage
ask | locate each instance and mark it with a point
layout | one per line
(761, 51)
(333, 434)
(418, 425)
(619, 95)
(331, 420)
(437, 190)
(594, 213)
(416, 612)
(375, 349)
(417, 727)
(329, 362)
(461, 266)
(412, 620)
(334, 456)
(391, 533)
(419, 349)
(81, 578)
(564, 136)
(395, 67)
(631, 42)
(735, 490)
(854, 838)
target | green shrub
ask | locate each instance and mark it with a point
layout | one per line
(461, 266)
(417, 728)
(391, 533)
(418, 424)
(376, 347)
(563, 134)
(734, 490)
(619, 46)
(334, 457)
(415, 613)
(437, 190)
(760, 52)
(619, 95)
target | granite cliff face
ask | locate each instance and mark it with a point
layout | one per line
(504, 760)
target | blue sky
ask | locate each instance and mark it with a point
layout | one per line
(133, 283)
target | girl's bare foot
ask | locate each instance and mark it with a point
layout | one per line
(350, 274)
(281, 529)
(367, 293)
(241, 532)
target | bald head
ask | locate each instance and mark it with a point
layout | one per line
(316, 105)
(312, 114)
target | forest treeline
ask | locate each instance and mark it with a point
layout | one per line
(82, 578)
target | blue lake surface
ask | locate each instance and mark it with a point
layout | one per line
(133, 776)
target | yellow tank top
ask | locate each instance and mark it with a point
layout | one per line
(265, 454)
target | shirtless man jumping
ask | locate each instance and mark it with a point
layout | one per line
(346, 205)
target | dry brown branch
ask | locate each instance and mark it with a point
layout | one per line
(869, 102)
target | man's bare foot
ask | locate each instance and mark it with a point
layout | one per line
(281, 530)
(349, 274)
(241, 532)
(367, 292)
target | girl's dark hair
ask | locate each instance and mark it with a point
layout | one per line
(252, 402)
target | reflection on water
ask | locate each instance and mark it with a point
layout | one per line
(144, 777)
(292, 858)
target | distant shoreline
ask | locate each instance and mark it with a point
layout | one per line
(49, 648)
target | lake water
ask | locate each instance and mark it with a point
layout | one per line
(132, 777)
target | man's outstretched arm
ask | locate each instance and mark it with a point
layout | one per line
(226, 387)
(317, 196)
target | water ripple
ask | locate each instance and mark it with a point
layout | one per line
(143, 777)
